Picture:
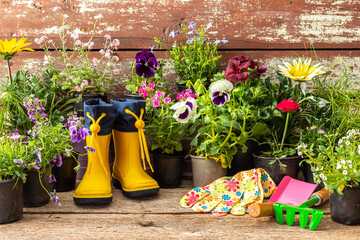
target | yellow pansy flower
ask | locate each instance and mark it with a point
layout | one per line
(300, 71)
(8, 49)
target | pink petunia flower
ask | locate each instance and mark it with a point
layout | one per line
(167, 100)
(151, 85)
(156, 103)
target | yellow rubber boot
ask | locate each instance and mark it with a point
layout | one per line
(95, 186)
(130, 147)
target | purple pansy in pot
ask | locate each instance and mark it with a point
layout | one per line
(184, 110)
(57, 161)
(146, 64)
(219, 92)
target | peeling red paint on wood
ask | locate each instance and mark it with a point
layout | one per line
(266, 24)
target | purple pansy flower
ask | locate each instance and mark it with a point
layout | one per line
(75, 137)
(57, 161)
(89, 149)
(38, 153)
(55, 198)
(19, 161)
(220, 98)
(51, 178)
(83, 133)
(35, 165)
(184, 110)
(146, 63)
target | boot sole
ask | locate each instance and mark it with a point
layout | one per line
(135, 194)
(92, 201)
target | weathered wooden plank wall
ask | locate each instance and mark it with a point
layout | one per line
(265, 30)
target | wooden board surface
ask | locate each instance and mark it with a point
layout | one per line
(157, 217)
(257, 24)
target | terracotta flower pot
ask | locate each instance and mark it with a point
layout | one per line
(11, 200)
(292, 167)
(205, 172)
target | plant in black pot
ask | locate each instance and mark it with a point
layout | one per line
(253, 109)
(13, 154)
(279, 158)
(336, 164)
(165, 136)
(194, 55)
(47, 142)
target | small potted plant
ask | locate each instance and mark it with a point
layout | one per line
(12, 174)
(47, 143)
(145, 70)
(214, 144)
(279, 157)
(165, 135)
(337, 166)
(195, 56)
(81, 75)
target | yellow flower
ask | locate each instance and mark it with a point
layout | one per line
(300, 71)
(8, 49)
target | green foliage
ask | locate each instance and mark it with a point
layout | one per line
(196, 57)
(75, 70)
(336, 164)
(164, 131)
(10, 150)
(14, 115)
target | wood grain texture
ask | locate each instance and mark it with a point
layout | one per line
(157, 217)
(257, 24)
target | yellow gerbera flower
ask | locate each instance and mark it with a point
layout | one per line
(8, 49)
(300, 71)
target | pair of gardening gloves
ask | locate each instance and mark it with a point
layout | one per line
(231, 194)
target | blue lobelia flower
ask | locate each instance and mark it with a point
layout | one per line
(191, 25)
(172, 34)
(209, 25)
(146, 63)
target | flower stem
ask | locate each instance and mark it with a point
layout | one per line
(9, 70)
(284, 134)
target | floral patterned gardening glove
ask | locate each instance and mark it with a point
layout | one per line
(231, 194)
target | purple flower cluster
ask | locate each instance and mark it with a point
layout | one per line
(34, 109)
(76, 127)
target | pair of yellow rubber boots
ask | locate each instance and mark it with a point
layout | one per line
(122, 119)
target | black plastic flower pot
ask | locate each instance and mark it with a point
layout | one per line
(65, 175)
(292, 167)
(34, 195)
(243, 160)
(133, 97)
(345, 208)
(308, 175)
(11, 200)
(168, 169)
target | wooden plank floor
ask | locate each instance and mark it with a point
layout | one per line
(157, 217)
